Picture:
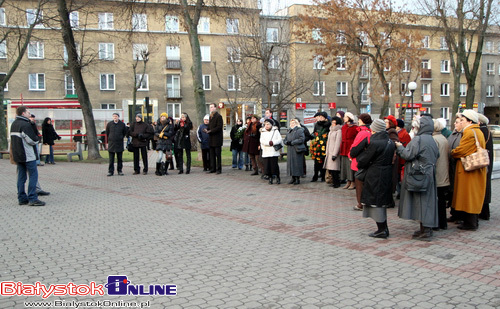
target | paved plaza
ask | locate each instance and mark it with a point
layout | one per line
(234, 241)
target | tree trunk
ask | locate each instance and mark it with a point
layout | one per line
(76, 72)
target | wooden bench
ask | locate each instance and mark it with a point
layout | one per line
(69, 149)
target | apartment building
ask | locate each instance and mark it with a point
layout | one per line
(490, 76)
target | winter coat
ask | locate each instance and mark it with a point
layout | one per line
(295, 159)
(251, 140)
(453, 141)
(49, 134)
(349, 133)
(236, 143)
(333, 148)
(115, 133)
(23, 140)
(164, 143)
(215, 127)
(320, 137)
(442, 168)
(364, 134)
(404, 138)
(421, 206)
(203, 138)
(141, 133)
(470, 187)
(377, 161)
(308, 137)
(267, 136)
(489, 147)
(182, 135)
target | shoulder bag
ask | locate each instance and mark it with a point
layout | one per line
(278, 146)
(478, 159)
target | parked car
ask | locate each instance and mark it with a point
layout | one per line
(495, 130)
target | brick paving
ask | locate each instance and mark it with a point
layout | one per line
(234, 241)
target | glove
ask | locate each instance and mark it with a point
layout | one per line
(289, 143)
(334, 158)
(270, 143)
(161, 135)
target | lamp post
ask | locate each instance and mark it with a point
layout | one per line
(412, 86)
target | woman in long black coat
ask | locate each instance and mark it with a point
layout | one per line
(182, 130)
(295, 151)
(377, 186)
(49, 136)
(483, 126)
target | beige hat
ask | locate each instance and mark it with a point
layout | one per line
(483, 119)
(471, 115)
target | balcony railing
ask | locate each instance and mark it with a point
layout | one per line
(426, 73)
(173, 64)
(173, 93)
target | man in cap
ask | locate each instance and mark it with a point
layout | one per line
(116, 131)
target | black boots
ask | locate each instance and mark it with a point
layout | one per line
(274, 178)
(158, 171)
(295, 180)
(425, 233)
(255, 172)
(382, 232)
(271, 178)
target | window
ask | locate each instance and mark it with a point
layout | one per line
(140, 51)
(445, 90)
(463, 90)
(318, 63)
(73, 19)
(204, 25)
(3, 75)
(106, 21)
(275, 88)
(207, 82)
(488, 46)
(316, 35)
(108, 106)
(490, 91)
(142, 85)
(445, 66)
(445, 113)
(174, 110)
(426, 64)
(341, 62)
(272, 35)
(426, 42)
(3, 21)
(65, 52)
(173, 86)
(387, 67)
(139, 22)
(171, 23)
(107, 81)
(233, 83)
(364, 68)
(173, 52)
(233, 54)
(37, 82)
(426, 92)
(3, 50)
(106, 51)
(319, 88)
(341, 37)
(69, 85)
(443, 43)
(363, 91)
(385, 39)
(232, 25)
(274, 62)
(498, 90)
(35, 50)
(205, 53)
(406, 66)
(363, 36)
(31, 18)
(490, 68)
(341, 88)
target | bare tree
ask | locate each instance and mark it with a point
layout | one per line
(17, 36)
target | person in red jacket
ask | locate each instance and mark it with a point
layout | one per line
(349, 132)
(404, 138)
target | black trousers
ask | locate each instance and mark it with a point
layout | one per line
(119, 158)
(205, 156)
(441, 191)
(179, 158)
(144, 155)
(271, 167)
(215, 159)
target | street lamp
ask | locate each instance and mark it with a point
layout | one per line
(412, 86)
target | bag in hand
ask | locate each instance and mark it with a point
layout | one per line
(418, 177)
(278, 147)
(478, 159)
(130, 147)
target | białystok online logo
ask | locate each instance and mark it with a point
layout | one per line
(117, 285)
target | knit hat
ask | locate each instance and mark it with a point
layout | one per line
(366, 118)
(270, 121)
(483, 119)
(207, 117)
(392, 119)
(401, 123)
(139, 115)
(164, 115)
(341, 113)
(350, 116)
(471, 115)
(324, 114)
(378, 125)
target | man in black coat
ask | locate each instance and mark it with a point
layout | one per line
(215, 127)
(39, 189)
(141, 132)
(116, 130)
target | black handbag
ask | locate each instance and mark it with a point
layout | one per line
(360, 174)
(130, 147)
(278, 146)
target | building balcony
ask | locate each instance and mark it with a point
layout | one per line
(426, 74)
(174, 94)
(173, 64)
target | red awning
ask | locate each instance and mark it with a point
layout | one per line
(46, 103)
